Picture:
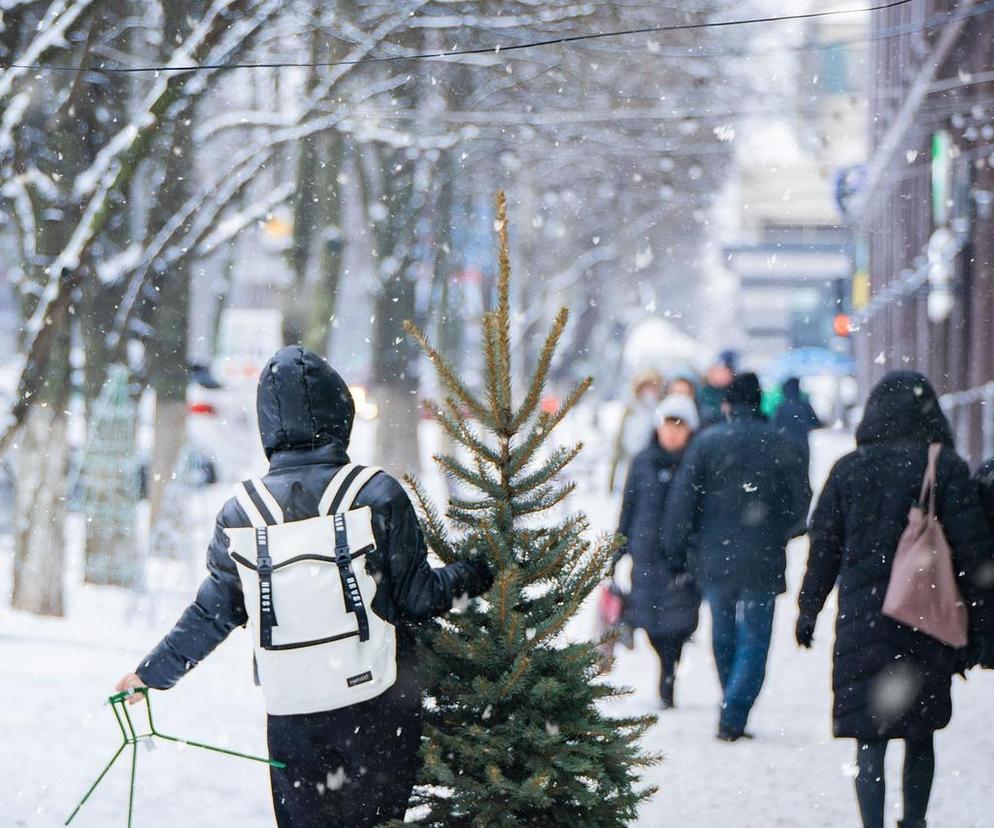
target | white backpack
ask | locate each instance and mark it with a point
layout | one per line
(318, 644)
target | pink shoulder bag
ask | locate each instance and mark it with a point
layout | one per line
(923, 592)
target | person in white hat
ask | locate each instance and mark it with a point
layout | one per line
(667, 609)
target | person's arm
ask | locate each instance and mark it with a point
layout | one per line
(970, 538)
(682, 508)
(793, 485)
(827, 538)
(985, 489)
(420, 591)
(218, 608)
(627, 508)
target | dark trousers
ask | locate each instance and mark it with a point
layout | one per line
(741, 628)
(871, 789)
(668, 648)
(348, 768)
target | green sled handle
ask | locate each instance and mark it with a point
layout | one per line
(119, 706)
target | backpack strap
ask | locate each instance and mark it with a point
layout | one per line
(258, 503)
(334, 487)
(350, 493)
(345, 487)
(350, 585)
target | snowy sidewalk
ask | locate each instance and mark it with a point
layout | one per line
(57, 735)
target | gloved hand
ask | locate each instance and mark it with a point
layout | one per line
(804, 632)
(483, 576)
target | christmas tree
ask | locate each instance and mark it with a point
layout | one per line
(109, 478)
(517, 731)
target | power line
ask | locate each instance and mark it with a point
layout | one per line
(495, 49)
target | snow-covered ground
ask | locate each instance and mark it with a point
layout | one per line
(57, 734)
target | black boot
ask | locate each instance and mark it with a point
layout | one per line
(905, 824)
(666, 684)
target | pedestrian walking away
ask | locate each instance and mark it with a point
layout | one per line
(794, 418)
(664, 606)
(741, 493)
(892, 681)
(326, 562)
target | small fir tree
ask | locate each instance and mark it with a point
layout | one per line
(517, 733)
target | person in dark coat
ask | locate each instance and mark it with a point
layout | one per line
(890, 681)
(711, 395)
(666, 608)
(741, 493)
(354, 766)
(795, 418)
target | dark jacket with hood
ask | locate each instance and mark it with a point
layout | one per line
(794, 417)
(305, 415)
(741, 493)
(985, 488)
(889, 680)
(655, 604)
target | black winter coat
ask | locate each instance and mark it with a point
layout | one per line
(740, 494)
(305, 417)
(794, 417)
(985, 488)
(889, 680)
(654, 604)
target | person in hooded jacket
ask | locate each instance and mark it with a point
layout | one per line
(666, 608)
(795, 418)
(354, 766)
(739, 496)
(890, 681)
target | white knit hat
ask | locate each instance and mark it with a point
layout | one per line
(678, 407)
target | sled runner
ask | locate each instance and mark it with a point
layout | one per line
(319, 645)
(130, 736)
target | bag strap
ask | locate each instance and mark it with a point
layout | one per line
(258, 503)
(344, 487)
(264, 569)
(928, 479)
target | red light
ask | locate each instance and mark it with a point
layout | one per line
(201, 408)
(841, 325)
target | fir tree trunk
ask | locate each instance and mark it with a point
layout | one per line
(41, 462)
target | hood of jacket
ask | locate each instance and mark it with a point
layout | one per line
(302, 403)
(903, 406)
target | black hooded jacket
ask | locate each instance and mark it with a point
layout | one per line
(741, 493)
(655, 604)
(854, 533)
(794, 417)
(305, 413)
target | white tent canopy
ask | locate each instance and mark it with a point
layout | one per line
(657, 343)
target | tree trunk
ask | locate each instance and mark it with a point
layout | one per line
(170, 435)
(41, 462)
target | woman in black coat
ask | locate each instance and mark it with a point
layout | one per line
(890, 681)
(666, 609)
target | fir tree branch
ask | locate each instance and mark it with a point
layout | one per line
(546, 497)
(436, 535)
(534, 394)
(555, 463)
(447, 375)
(502, 318)
(480, 482)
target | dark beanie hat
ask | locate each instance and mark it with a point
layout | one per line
(744, 390)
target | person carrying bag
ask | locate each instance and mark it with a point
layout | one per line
(914, 588)
(923, 593)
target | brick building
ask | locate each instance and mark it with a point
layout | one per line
(924, 290)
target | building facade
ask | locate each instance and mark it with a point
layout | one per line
(924, 289)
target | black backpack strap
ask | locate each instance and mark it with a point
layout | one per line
(350, 585)
(264, 569)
